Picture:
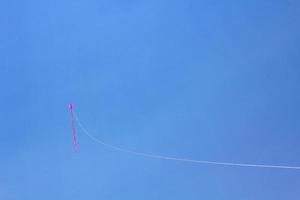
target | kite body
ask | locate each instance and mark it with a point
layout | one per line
(71, 106)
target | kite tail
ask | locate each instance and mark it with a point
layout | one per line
(71, 106)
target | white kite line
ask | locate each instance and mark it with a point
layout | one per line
(137, 153)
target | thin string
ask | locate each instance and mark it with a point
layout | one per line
(161, 157)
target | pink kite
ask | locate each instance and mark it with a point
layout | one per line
(71, 106)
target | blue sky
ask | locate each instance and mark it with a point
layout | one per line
(209, 80)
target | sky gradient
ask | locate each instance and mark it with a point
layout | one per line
(209, 80)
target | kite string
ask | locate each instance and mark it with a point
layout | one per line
(176, 158)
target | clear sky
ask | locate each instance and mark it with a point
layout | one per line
(212, 80)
